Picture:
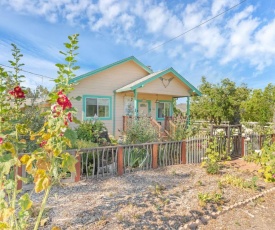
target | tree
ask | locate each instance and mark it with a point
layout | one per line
(219, 102)
(260, 105)
(40, 92)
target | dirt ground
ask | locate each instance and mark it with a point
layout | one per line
(165, 198)
(256, 215)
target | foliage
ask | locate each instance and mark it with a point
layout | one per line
(213, 157)
(266, 159)
(140, 130)
(34, 118)
(14, 212)
(83, 144)
(254, 157)
(259, 106)
(136, 157)
(239, 182)
(182, 130)
(205, 198)
(267, 162)
(219, 102)
(176, 111)
(91, 131)
(50, 161)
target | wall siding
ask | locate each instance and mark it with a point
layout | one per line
(175, 88)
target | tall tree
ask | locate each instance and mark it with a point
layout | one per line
(219, 102)
(260, 105)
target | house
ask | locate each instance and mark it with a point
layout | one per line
(129, 88)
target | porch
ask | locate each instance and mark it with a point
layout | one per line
(165, 130)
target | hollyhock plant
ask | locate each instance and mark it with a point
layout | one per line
(50, 162)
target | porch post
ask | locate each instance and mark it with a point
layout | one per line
(135, 102)
(188, 111)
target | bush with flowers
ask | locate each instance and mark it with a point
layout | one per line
(50, 161)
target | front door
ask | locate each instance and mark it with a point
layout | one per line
(143, 108)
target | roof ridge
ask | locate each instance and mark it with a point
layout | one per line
(98, 70)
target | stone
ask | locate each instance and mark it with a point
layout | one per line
(185, 226)
(198, 221)
(193, 225)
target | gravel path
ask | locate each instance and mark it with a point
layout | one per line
(165, 198)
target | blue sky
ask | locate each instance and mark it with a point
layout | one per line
(239, 45)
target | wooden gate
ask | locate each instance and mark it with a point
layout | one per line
(229, 137)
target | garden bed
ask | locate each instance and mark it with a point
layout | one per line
(165, 198)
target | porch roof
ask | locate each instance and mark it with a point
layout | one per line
(151, 77)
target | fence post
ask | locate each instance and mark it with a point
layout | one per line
(19, 173)
(155, 156)
(183, 152)
(242, 144)
(77, 167)
(260, 141)
(120, 166)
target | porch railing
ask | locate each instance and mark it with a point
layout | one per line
(169, 126)
(157, 126)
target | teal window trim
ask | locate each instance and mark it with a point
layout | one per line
(171, 109)
(84, 97)
(149, 105)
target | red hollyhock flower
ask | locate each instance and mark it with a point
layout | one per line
(20, 94)
(70, 117)
(17, 89)
(43, 143)
(17, 92)
(54, 111)
(63, 101)
(1, 140)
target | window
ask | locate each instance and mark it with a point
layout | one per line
(164, 109)
(97, 106)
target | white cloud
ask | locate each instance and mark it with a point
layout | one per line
(250, 40)
(218, 6)
(143, 24)
(156, 17)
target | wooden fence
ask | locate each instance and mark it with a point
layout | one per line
(118, 160)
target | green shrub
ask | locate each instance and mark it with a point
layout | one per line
(136, 157)
(266, 159)
(239, 182)
(214, 198)
(212, 168)
(267, 162)
(91, 131)
(140, 130)
(213, 157)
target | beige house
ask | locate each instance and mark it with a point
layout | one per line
(129, 88)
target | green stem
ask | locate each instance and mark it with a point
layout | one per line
(13, 199)
(42, 208)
